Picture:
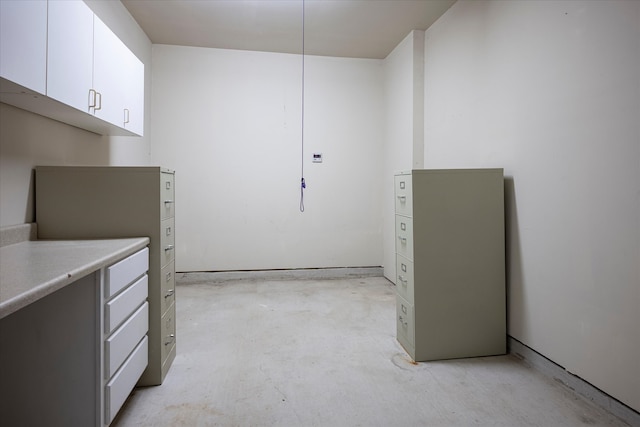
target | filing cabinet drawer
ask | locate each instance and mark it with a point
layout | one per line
(119, 308)
(168, 331)
(403, 193)
(119, 345)
(167, 241)
(405, 320)
(126, 271)
(168, 285)
(404, 236)
(166, 363)
(404, 283)
(167, 194)
(117, 390)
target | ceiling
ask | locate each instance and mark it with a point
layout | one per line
(343, 28)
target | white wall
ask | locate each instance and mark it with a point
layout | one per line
(403, 131)
(28, 140)
(551, 92)
(229, 123)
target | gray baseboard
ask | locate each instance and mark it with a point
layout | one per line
(187, 278)
(573, 382)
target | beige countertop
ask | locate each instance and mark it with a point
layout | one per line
(31, 270)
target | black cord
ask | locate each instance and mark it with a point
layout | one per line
(302, 183)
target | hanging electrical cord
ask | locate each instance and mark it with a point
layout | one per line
(303, 185)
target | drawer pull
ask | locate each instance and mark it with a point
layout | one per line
(402, 239)
(168, 248)
(169, 293)
(171, 338)
(402, 280)
(404, 309)
(168, 277)
(168, 201)
(402, 198)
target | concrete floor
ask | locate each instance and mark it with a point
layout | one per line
(323, 353)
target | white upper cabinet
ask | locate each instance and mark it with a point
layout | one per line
(134, 98)
(118, 80)
(90, 78)
(109, 62)
(23, 45)
(70, 60)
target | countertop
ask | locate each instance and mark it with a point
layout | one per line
(31, 270)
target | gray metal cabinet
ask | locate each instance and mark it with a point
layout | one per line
(110, 202)
(450, 263)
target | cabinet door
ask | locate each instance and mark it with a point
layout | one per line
(133, 87)
(23, 44)
(108, 73)
(70, 59)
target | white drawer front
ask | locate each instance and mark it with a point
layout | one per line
(117, 390)
(167, 195)
(405, 320)
(168, 285)
(126, 271)
(167, 241)
(404, 282)
(403, 193)
(119, 308)
(119, 345)
(404, 236)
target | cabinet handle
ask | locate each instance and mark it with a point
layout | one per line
(168, 201)
(402, 239)
(168, 277)
(402, 322)
(402, 198)
(171, 337)
(98, 105)
(168, 248)
(169, 293)
(126, 115)
(402, 280)
(92, 99)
